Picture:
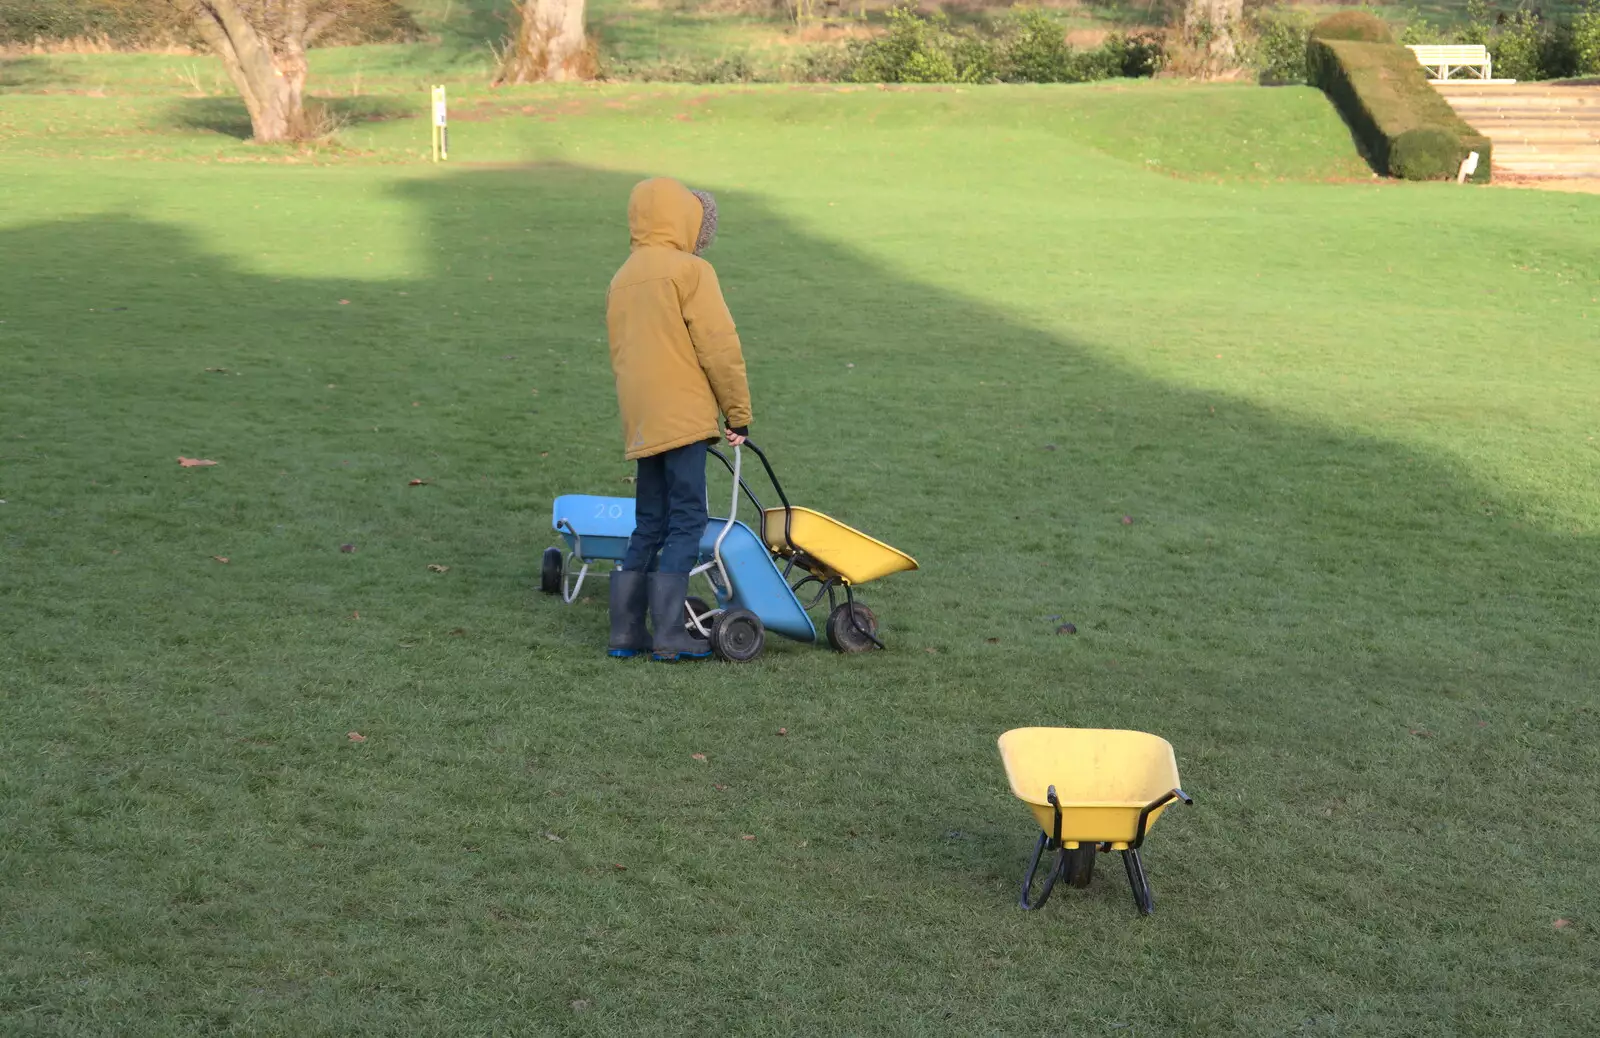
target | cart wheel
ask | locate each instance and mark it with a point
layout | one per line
(1080, 864)
(738, 636)
(843, 635)
(550, 572)
(693, 607)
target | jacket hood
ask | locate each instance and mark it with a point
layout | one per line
(662, 212)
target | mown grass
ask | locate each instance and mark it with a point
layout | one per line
(1352, 426)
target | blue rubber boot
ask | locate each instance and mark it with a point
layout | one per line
(672, 638)
(629, 636)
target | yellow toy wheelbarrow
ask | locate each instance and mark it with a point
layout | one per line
(834, 557)
(1092, 790)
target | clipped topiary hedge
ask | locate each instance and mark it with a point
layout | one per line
(1407, 129)
(1356, 26)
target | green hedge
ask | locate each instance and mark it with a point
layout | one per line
(1406, 127)
(1356, 26)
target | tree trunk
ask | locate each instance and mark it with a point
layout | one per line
(269, 74)
(1215, 23)
(549, 44)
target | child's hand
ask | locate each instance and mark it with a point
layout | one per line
(734, 438)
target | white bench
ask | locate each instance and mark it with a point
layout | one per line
(1443, 59)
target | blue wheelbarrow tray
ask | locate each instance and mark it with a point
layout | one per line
(596, 529)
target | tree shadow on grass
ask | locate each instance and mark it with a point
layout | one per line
(227, 115)
(1288, 599)
(23, 73)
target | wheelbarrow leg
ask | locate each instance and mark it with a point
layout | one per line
(1136, 879)
(1056, 868)
(850, 598)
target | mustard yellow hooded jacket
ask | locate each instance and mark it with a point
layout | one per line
(674, 348)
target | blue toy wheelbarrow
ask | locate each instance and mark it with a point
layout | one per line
(752, 595)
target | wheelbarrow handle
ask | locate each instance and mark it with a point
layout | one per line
(772, 477)
(1159, 802)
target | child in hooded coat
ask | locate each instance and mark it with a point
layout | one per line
(678, 364)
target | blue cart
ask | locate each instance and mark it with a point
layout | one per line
(752, 595)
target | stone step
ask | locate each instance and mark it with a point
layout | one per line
(1539, 130)
(1546, 162)
(1531, 135)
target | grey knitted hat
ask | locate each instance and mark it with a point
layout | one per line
(708, 221)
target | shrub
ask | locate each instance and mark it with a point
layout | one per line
(1139, 56)
(1025, 47)
(919, 49)
(1405, 127)
(1034, 50)
(1427, 153)
(1275, 46)
(1518, 48)
(1356, 26)
(733, 69)
(825, 64)
(1586, 40)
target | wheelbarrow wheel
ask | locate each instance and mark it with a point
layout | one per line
(1079, 865)
(692, 607)
(845, 636)
(550, 572)
(738, 636)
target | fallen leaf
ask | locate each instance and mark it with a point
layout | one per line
(1067, 629)
(579, 1004)
(356, 615)
(544, 454)
(553, 838)
(348, 549)
(746, 837)
(194, 463)
(434, 567)
(417, 483)
(931, 652)
(220, 558)
(697, 756)
(619, 868)
(783, 731)
(991, 641)
(416, 403)
(719, 787)
(344, 302)
(1561, 924)
(630, 479)
(803, 843)
(1049, 446)
(355, 737)
(1421, 733)
(459, 632)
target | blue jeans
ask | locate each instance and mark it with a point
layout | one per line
(669, 511)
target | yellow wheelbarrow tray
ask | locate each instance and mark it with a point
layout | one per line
(1092, 791)
(830, 554)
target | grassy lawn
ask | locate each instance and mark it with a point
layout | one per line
(1353, 426)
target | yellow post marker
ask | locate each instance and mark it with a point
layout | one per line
(441, 127)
